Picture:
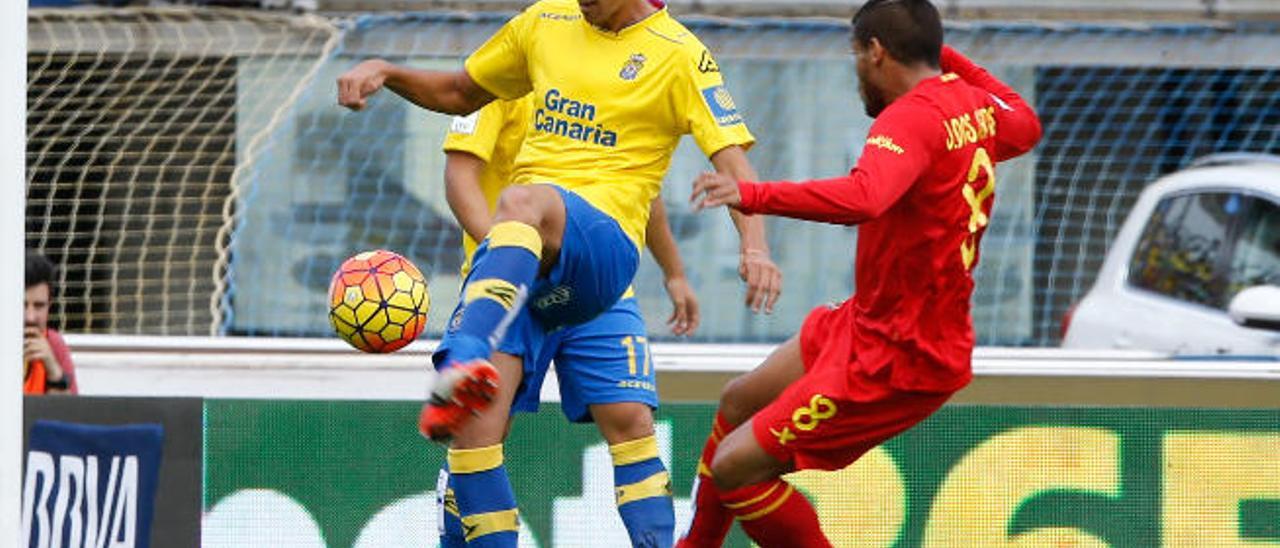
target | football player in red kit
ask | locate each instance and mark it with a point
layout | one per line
(863, 371)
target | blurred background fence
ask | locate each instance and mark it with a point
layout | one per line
(190, 173)
(1006, 9)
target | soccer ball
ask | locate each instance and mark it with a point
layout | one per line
(378, 301)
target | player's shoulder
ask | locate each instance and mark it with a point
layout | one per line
(908, 121)
(678, 37)
(683, 49)
(938, 99)
(954, 90)
(919, 105)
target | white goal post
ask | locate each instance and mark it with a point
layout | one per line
(13, 70)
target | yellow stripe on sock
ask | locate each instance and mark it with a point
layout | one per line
(515, 234)
(657, 485)
(770, 508)
(704, 470)
(479, 525)
(637, 450)
(451, 504)
(495, 289)
(754, 500)
(470, 461)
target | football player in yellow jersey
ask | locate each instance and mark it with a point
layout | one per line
(616, 83)
(604, 369)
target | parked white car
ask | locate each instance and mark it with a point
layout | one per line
(1195, 270)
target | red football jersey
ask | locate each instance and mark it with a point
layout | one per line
(922, 192)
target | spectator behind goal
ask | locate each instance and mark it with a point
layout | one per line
(47, 367)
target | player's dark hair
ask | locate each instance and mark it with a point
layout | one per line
(911, 30)
(39, 270)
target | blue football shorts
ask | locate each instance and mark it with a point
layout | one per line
(605, 360)
(575, 317)
(596, 265)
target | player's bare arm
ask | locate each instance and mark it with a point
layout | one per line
(763, 277)
(462, 191)
(685, 316)
(448, 92)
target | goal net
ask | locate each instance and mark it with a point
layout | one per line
(137, 124)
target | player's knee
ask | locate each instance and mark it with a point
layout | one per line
(623, 422)
(474, 438)
(726, 470)
(734, 402)
(490, 428)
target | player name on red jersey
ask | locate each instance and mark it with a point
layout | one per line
(969, 128)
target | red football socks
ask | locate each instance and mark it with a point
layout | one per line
(773, 513)
(711, 520)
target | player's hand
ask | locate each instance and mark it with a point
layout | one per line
(356, 85)
(714, 189)
(684, 306)
(763, 277)
(36, 347)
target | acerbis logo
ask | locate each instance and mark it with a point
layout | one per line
(707, 64)
(562, 16)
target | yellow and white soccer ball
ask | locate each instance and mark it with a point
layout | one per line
(378, 301)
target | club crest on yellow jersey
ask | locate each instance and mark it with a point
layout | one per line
(632, 67)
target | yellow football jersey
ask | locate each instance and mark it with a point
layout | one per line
(607, 108)
(492, 134)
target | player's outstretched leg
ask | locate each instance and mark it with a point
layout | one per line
(741, 398)
(528, 222)
(505, 266)
(769, 509)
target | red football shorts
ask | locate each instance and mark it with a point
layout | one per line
(835, 412)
